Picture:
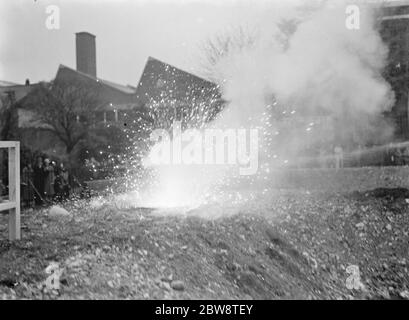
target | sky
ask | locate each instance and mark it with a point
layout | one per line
(127, 33)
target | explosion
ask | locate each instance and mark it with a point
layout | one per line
(317, 83)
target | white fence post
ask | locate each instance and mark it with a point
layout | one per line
(13, 203)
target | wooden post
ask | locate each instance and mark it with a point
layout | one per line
(14, 192)
(13, 203)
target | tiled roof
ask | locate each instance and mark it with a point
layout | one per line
(120, 87)
(116, 86)
(20, 91)
(110, 93)
(160, 80)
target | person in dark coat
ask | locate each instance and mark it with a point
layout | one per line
(49, 179)
(38, 181)
(26, 183)
(61, 185)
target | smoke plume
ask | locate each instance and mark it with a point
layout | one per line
(311, 66)
(306, 81)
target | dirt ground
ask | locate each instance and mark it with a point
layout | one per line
(299, 244)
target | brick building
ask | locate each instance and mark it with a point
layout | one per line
(158, 81)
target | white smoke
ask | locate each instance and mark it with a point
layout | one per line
(307, 66)
(321, 68)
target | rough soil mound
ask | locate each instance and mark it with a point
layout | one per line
(299, 245)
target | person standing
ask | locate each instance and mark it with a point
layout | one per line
(339, 157)
(405, 156)
(61, 185)
(38, 177)
(49, 179)
(322, 158)
(398, 157)
(2, 189)
(65, 181)
(26, 182)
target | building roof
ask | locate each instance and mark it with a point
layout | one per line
(160, 81)
(19, 91)
(126, 89)
(64, 71)
(112, 94)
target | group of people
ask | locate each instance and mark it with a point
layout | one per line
(398, 156)
(45, 181)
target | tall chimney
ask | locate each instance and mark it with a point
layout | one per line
(86, 53)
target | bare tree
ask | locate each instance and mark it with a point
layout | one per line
(221, 46)
(234, 41)
(65, 109)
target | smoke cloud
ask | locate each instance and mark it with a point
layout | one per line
(307, 82)
(311, 66)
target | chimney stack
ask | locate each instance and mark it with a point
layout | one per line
(86, 53)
